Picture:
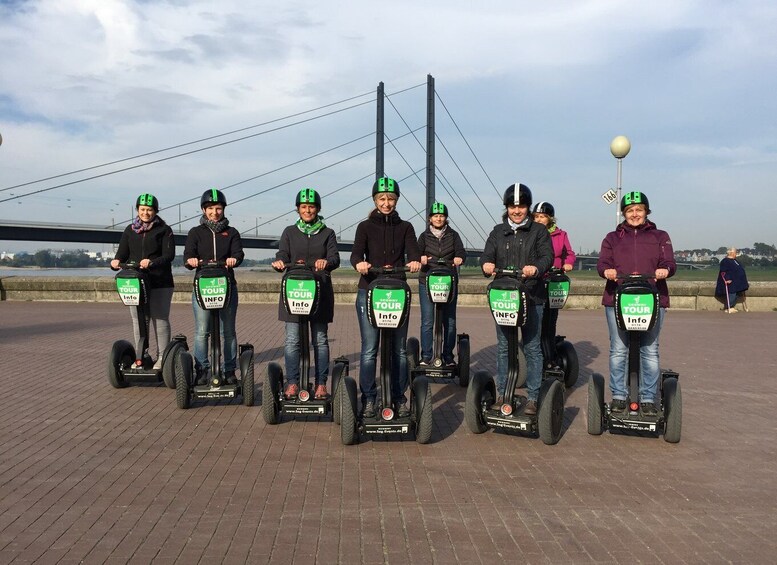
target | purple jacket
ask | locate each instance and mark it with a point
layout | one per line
(563, 254)
(636, 250)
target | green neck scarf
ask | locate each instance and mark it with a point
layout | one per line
(312, 228)
(552, 228)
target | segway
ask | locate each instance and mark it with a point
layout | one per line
(440, 288)
(132, 287)
(558, 354)
(507, 300)
(388, 307)
(636, 310)
(213, 290)
(300, 291)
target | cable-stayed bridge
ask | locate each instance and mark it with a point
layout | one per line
(262, 203)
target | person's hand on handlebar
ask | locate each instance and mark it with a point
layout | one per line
(488, 269)
(115, 264)
(662, 274)
(529, 271)
(193, 262)
(231, 262)
(144, 263)
(568, 267)
(414, 266)
(363, 267)
(457, 261)
(321, 264)
(611, 274)
(425, 259)
(278, 265)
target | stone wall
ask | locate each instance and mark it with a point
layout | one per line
(685, 295)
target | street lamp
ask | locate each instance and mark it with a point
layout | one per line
(619, 147)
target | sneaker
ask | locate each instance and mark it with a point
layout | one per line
(618, 405)
(450, 364)
(158, 364)
(732, 311)
(291, 391)
(403, 411)
(230, 377)
(531, 408)
(424, 363)
(369, 409)
(138, 364)
(321, 392)
(648, 409)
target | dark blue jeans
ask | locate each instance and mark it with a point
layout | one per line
(427, 326)
(227, 317)
(293, 349)
(367, 362)
(532, 348)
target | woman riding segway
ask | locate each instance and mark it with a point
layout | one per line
(213, 240)
(383, 239)
(148, 243)
(439, 242)
(309, 242)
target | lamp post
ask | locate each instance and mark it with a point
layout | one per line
(619, 147)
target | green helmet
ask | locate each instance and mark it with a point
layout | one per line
(385, 184)
(147, 199)
(308, 196)
(438, 208)
(212, 196)
(635, 197)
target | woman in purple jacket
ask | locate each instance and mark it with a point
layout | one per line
(636, 246)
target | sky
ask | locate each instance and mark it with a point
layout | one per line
(532, 91)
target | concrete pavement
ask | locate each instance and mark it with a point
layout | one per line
(91, 474)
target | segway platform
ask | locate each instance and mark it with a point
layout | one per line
(213, 392)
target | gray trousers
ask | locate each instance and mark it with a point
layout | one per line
(159, 307)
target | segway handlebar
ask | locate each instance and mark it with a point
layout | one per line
(517, 273)
(635, 276)
(134, 265)
(208, 263)
(300, 264)
(388, 270)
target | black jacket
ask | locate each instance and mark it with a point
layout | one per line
(384, 240)
(158, 245)
(528, 245)
(295, 246)
(447, 247)
(201, 242)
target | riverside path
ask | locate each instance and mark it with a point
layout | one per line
(92, 474)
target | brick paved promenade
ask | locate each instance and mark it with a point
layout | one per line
(93, 474)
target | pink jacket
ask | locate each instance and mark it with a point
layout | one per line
(563, 254)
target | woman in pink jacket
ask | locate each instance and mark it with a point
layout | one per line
(563, 254)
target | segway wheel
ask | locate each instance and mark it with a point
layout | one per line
(170, 361)
(569, 363)
(550, 415)
(595, 404)
(122, 354)
(271, 406)
(337, 376)
(247, 377)
(422, 403)
(346, 398)
(413, 349)
(463, 357)
(673, 410)
(183, 379)
(480, 395)
(523, 371)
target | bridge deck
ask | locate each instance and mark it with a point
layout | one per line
(93, 474)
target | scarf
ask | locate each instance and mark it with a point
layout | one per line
(552, 228)
(438, 232)
(139, 226)
(217, 227)
(311, 228)
(515, 226)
